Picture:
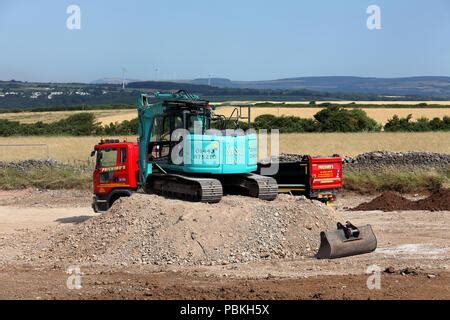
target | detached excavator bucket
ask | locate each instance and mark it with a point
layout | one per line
(347, 240)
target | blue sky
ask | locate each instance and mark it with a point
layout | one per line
(240, 40)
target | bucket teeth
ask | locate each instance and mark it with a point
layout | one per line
(347, 240)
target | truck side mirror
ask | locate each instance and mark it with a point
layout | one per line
(92, 153)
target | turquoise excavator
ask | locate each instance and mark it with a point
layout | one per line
(188, 152)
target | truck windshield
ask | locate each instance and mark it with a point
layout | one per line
(106, 157)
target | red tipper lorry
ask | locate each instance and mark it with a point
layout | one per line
(116, 174)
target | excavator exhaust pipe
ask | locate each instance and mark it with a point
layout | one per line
(347, 240)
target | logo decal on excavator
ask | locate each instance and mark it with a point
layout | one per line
(214, 146)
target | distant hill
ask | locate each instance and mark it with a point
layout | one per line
(438, 87)
(217, 93)
(18, 95)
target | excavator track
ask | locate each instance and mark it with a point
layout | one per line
(254, 185)
(186, 187)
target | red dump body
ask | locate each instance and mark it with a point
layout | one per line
(326, 172)
(315, 177)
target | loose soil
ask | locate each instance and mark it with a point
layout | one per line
(392, 201)
(413, 248)
(26, 283)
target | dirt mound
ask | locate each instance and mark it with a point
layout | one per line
(391, 201)
(148, 229)
(438, 201)
(388, 201)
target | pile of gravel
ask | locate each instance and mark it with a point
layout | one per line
(388, 159)
(148, 229)
(287, 157)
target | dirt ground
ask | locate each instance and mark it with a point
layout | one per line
(413, 248)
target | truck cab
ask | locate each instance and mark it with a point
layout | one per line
(116, 172)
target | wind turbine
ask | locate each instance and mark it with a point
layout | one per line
(123, 77)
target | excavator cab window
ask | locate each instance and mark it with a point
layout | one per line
(165, 135)
(199, 121)
(156, 129)
(159, 145)
(162, 127)
(178, 122)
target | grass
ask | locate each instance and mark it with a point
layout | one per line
(404, 181)
(350, 144)
(45, 178)
(76, 150)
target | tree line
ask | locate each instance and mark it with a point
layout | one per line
(332, 119)
(420, 125)
(340, 119)
(80, 124)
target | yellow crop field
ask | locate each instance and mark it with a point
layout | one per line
(61, 148)
(77, 149)
(381, 115)
(103, 116)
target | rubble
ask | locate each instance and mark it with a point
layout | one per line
(25, 165)
(147, 229)
(30, 164)
(387, 159)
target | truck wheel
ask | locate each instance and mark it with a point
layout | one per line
(100, 207)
